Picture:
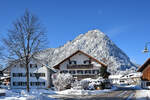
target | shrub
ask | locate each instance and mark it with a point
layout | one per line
(62, 81)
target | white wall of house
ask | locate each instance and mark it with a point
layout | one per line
(80, 58)
(18, 81)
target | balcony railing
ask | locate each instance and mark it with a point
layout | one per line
(80, 66)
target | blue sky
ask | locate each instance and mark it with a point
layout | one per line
(126, 22)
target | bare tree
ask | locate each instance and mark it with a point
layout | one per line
(1, 57)
(1, 51)
(26, 37)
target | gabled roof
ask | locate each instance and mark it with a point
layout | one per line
(79, 51)
(11, 64)
(144, 65)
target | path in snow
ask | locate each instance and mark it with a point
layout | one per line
(114, 95)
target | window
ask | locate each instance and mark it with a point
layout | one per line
(40, 74)
(19, 83)
(72, 62)
(72, 71)
(33, 83)
(32, 75)
(64, 71)
(69, 62)
(80, 71)
(37, 83)
(19, 74)
(87, 62)
(14, 84)
(147, 83)
(75, 62)
(33, 66)
(30, 65)
(14, 74)
(93, 71)
(87, 71)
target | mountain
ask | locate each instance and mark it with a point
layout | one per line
(96, 44)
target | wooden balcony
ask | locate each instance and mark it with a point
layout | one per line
(89, 66)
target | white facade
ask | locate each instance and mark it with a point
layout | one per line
(18, 76)
(80, 64)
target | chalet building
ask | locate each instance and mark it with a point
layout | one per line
(17, 72)
(80, 65)
(145, 70)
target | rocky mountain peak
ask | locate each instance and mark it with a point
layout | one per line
(95, 33)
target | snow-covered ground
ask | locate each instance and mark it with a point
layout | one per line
(142, 95)
(84, 92)
(17, 94)
(38, 94)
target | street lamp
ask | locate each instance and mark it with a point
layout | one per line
(146, 48)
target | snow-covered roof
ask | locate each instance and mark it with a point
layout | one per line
(125, 76)
(133, 75)
(115, 76)
(5, 77)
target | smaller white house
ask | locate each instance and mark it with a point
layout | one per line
(18, 75)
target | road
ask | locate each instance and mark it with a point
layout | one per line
(114, 95)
